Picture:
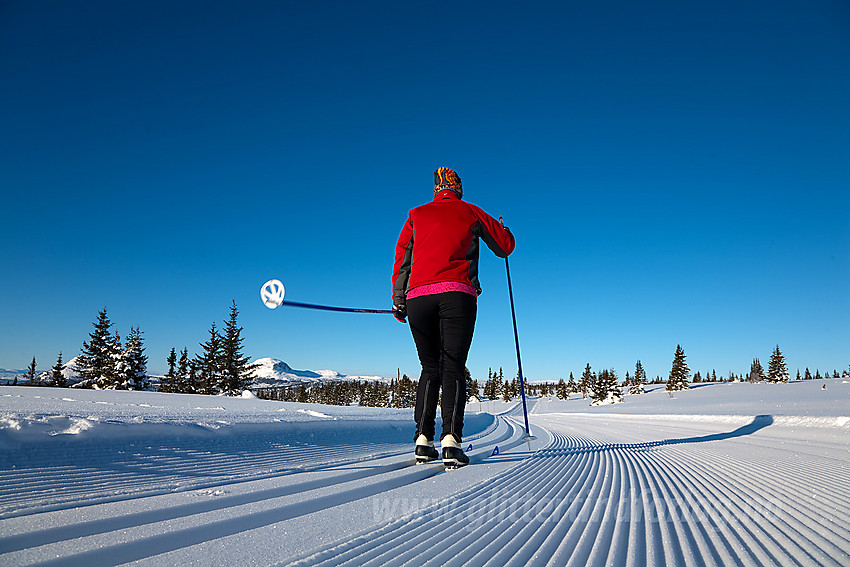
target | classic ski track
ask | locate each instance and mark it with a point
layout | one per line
(403, 472)
(32, 490)
(594, 518)
(582, 500)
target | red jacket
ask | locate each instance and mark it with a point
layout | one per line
(439, 243)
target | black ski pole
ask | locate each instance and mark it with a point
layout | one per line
(329, 308)
(272, 294)
(528, 435)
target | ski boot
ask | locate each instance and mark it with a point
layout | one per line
(425, 451)
(453, 455)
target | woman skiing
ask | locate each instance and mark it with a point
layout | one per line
(435, 286)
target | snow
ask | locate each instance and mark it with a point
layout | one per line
(274, 373)
(719, 474)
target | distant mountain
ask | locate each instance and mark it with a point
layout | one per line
(274, 373)
(70, 370)
(8, 376)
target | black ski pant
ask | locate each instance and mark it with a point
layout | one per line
(442, 325)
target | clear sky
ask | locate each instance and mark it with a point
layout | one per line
(674, 173)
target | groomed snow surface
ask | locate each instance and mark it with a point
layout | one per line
(721, 474)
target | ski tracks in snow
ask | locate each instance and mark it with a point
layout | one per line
(705, 498)
(592, 490)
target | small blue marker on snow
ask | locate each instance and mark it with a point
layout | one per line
(495, 451)
(469, 449)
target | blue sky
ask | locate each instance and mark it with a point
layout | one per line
(674, 173)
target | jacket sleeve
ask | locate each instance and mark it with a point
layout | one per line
(497, 237)
(403, 262)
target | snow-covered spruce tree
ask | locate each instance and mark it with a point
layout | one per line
(679, 373)
(638, 380)
(606, 389)
(115, 376)
(572, 388)
(208, 363)
(561, 390)
(756, 372)
(777, 370)
(94, 361)
(134, 361)
(236, 370)
(57, 377)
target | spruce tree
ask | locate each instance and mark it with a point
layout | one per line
(169, 384)
(57, 377)
(94, 361)
(185, 377)
(679, 373)
(639, 380)
(193, 384)
(236, 371)
(134, 361)
(32, 378)
(561, 390)
(777, 370)
(115, 376)
(756, 372)
(586, 381)
(572, 388)
(606, 388)
(209, 362)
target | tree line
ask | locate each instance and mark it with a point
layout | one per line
(219, 368)
(105, 363)
(400, 393)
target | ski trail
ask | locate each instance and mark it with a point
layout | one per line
(97, 475)
(170, 527)
(592, 490)
(702, 498)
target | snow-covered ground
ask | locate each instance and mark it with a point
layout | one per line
(721, 474)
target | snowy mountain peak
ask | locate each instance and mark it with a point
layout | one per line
(274, 373)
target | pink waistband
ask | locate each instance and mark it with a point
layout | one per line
(441, 287)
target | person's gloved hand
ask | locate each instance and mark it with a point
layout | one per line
(400, 312)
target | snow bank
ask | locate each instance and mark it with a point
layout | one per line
(29, 415)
